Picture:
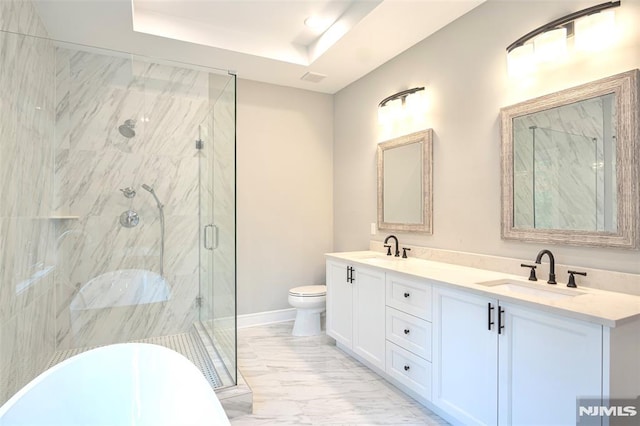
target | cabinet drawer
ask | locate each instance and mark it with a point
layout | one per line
(412, 297)
(409, 369)
(409, 332)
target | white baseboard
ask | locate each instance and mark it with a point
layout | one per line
(269, 317)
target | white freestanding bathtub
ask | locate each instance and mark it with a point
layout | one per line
(132, 384)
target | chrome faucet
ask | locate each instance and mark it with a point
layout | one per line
(386, 240)
(552, 265)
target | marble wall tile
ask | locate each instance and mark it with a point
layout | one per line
(568, 144)
(27, 92)
(569, 159)
(93, 162)
(27, 345)
(27, 261)
(168, 79)
(63, 70)
(8, 159)
(174, 179)
(27, 122)
(173, 124)
(20, 16)
(181, 244)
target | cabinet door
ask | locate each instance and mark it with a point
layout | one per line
(369, 315)
(465, 363)
(339, 303)
(546, 362)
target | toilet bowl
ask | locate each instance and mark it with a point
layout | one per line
(310, 302)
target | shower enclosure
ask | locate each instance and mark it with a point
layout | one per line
(117, 222)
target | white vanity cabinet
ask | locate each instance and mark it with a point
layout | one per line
(480, 357)
(408, 333)
(465, 357)
(545, 363)
(356, 310)
(502, 363)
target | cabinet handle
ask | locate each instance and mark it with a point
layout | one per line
(500, 322)
(407, 331)
(406, 368)
(350, 278)
(407, 294)
(490, 309)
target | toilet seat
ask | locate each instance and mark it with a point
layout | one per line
(309, 291)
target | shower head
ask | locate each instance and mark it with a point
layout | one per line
(150, 189)
(128, 129)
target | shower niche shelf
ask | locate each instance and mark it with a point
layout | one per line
(62, 217)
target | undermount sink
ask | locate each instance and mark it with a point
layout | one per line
(384, 261)
(540, 289)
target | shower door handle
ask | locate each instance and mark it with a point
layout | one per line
(216, 238)
(214, 230)
(206, 237)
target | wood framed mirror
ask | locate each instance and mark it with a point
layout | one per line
(570, 166)
(405, 183)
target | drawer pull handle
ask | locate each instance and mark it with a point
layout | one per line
(406, 368)
(407, 331)
(407, 294)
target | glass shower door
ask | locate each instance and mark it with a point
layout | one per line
(217, 297)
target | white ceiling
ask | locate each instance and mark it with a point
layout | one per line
(263, 40)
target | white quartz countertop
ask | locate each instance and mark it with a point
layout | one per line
(598, 306)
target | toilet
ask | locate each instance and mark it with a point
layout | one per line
(310, 302)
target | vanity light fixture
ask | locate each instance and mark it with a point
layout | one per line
(551, 45)
(590, 28)
(400, 95)
(399, 105)
(594, 32)
(403, 113)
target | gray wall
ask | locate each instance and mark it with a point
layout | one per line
(284, 181)
(463, 67)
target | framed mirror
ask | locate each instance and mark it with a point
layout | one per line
(570, 166)
(404, 183)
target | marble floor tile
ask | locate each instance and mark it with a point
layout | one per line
(308, 381)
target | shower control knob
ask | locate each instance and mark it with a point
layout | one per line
(129, 219)
(128, 192)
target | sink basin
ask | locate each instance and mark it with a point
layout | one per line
(384, 261)
(364, 255)
(525, 288)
